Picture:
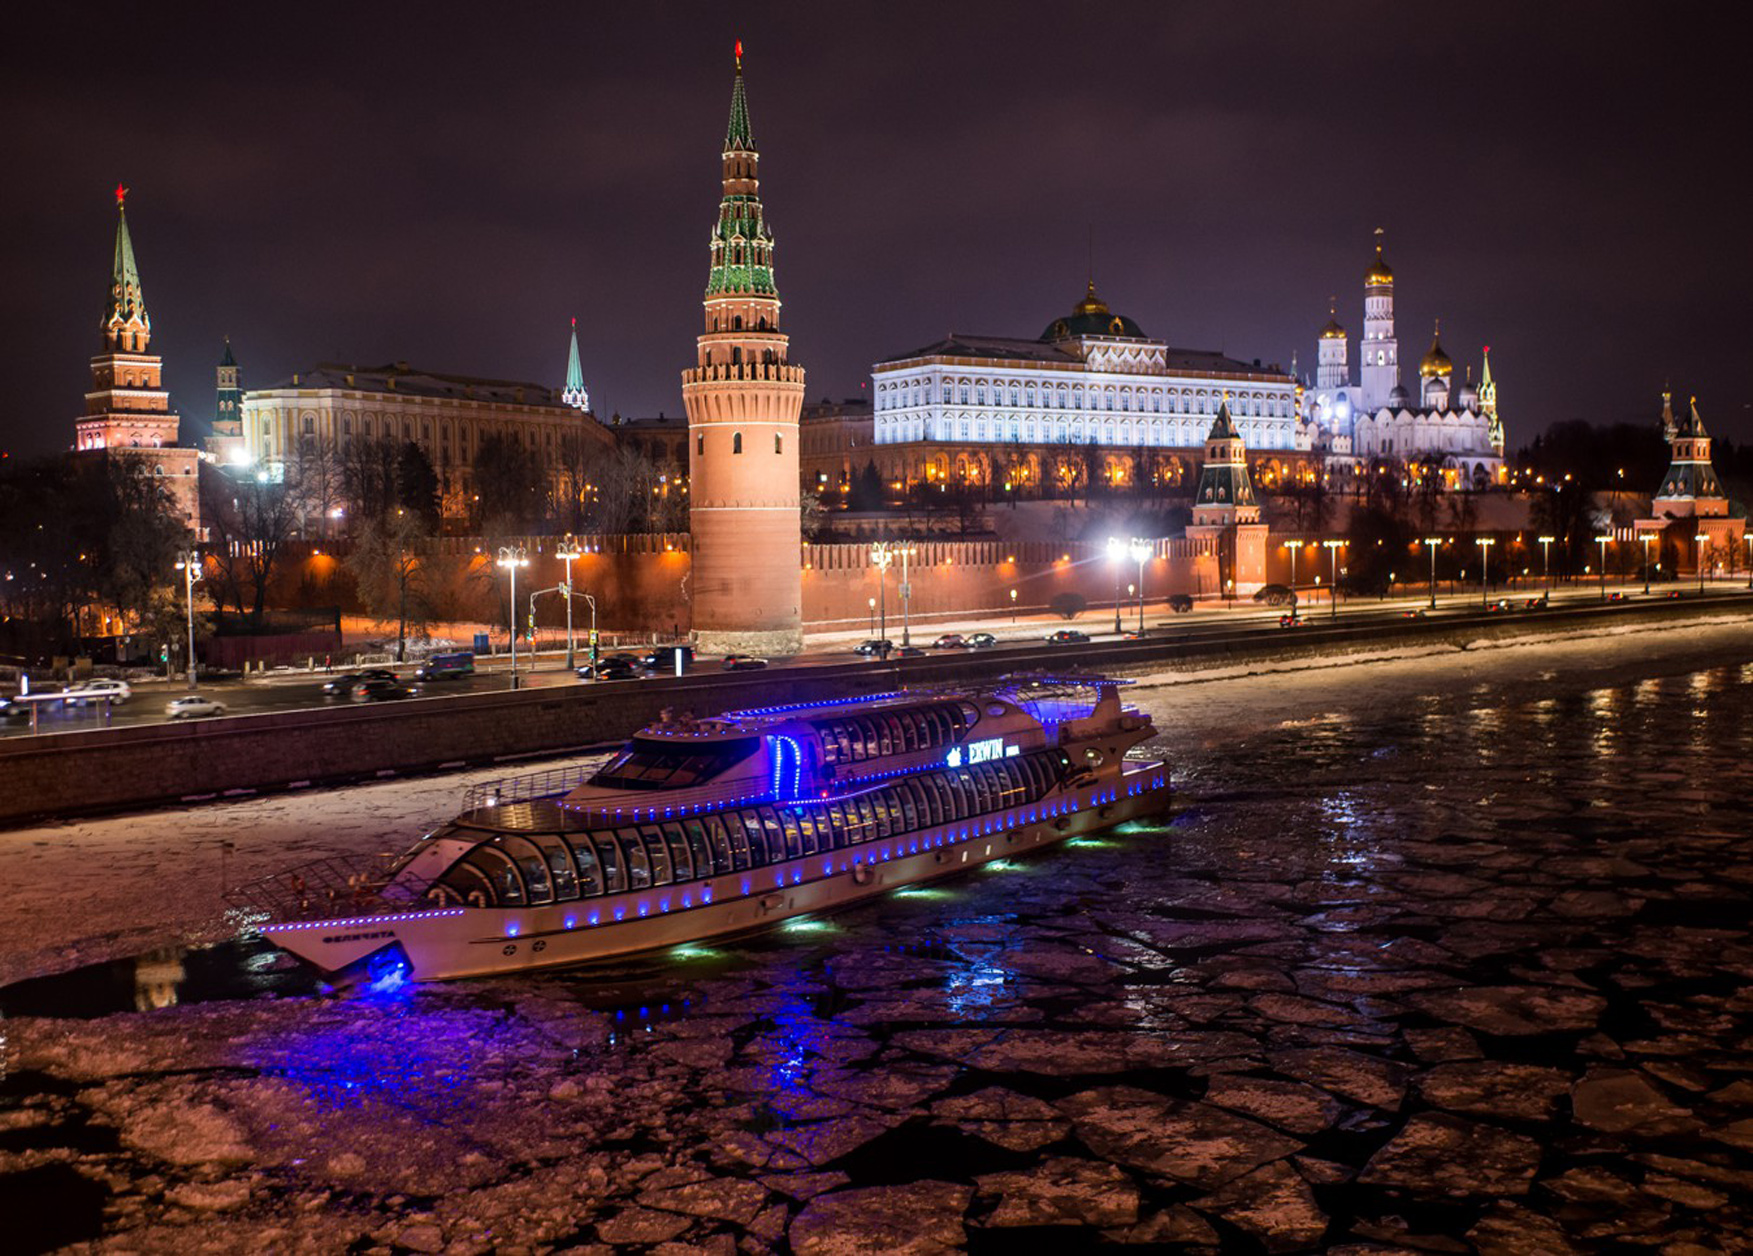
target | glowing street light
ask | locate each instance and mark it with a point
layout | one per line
(1602, 542)
(1116, 551)
(511, 557)
(1431, 543)
(1333, 548)
(190, 565)
(1701, 538)
(881, 556)
(1013, 606)
(1292, 547)
(1646, 538)
(567, 552)
(1485, 544)
(1546, 563)
(1140, 552)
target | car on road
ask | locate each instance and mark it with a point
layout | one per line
(1618, 596)
(874, 648)
(117, 691)
(1675, 593)
(909, 652)
(193, 706)
(342, 685)
(743, 663)
(669, 659)
(1180, 603)
(1502, 604)
(1417, 612)
(1536, 603)
(614, 667)
(453, 665)
(950, 641)
(1292, 620)
(380, 691)
(982, 641)
(1067, 636)
(1275, 594)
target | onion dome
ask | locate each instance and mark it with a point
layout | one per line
(1380, 274)
(1399, 397)
(1092, 317)
(1333, 331)
(1436, 362)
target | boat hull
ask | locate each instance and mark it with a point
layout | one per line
(448, 943)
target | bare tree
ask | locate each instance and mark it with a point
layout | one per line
(389, 569)
(250, 519)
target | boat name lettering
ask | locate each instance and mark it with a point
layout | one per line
(360, 937)
(981, 752)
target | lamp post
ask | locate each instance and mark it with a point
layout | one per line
(1646, 538)
(190, 565)
(511, 557)
(1013, 606)
(881, 557)
(1291, 547)
(1701, 538)
(872, 603)
(1431, 543)
(1485, 544)
(1140, 552)
(906, 599)
(1333, 548)
(1546, 563)
(1602, 542)
(567, 552)
(1116, 550)
(1748, 537)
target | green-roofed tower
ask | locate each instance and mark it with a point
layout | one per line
(1690, 487)
(574, 393)
(743, 396)
(1225, 493)
(126, 327)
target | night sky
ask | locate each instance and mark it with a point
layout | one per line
(449, 185)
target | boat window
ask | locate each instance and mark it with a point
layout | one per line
(633, 858)
(924, 801)
(589, 883)
(469, 885)
(830, 747)
(793, 835)
(864, 738)
(866, 815)
(837, 821)
(887, 743)
(728, 854)
(805, 818)
(842, 739)
(704, 863)
(750, 824)
(739, 840)
(909, 806)
(658, 851)
(985, 786)
(609, 856)
(650, 763)
(500, 874)
(681, 858)
(562, 873)
(884, 815)
(777, 847)
(958, 802)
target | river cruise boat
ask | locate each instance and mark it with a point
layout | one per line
(700, 828)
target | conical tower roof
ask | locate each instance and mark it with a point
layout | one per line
(1221, 427)
(574, 394)
(127, 303)
(738, 137)
(228, 360)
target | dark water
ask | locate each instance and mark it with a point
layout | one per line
(1441, 969)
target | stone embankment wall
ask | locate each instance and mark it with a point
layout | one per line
(116, 768)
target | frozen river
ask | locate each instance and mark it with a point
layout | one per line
(1440, 953)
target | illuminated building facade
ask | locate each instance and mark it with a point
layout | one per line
(1225, 510)
(743, 396)
(127, 410)
(1690, 499)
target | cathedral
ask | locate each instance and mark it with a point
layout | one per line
(1452, 427)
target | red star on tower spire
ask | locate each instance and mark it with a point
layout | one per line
(739, 54)
(121, 195)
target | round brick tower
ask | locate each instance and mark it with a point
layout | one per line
(743, 399)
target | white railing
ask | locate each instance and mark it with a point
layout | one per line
(507, 789)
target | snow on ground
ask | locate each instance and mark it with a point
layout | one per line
(85, 891)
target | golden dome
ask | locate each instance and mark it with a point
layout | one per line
(1436, 362)
(1332, 331)
(1379, 272)
(1091, 303)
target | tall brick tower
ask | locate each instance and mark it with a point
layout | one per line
(743, 399)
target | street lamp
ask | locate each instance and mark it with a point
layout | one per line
(511, 557)
(1748, 537)
(871, 602)
(881, 557)
(1431, 543)
(1013, 606)
(1701, 538)
(1140, 552)
(190, 565)
(567, 552)
(1602, 542)
(1116, 551)
(1333, 548)
(906, 599)
(1646, 538)
(1293, 547)
(1485, 544)
(1546, 563)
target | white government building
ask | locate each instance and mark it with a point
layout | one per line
(1377, 417)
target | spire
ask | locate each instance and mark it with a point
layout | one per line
(125, 324)
(1668, 425)
(228, 360)
(1221, 427)
(738, 138)
(1695, 425)
(574, 394)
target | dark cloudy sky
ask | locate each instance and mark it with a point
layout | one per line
(448, 184)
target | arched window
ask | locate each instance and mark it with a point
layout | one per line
(778, 443)
(700, 444)
(737, 323)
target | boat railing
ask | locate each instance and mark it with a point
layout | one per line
(330, 888)
(523, 788)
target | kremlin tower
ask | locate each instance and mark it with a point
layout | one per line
(1380, 351)
(743, 399)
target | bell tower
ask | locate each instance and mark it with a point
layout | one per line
(743, 397)
(1380, 351)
